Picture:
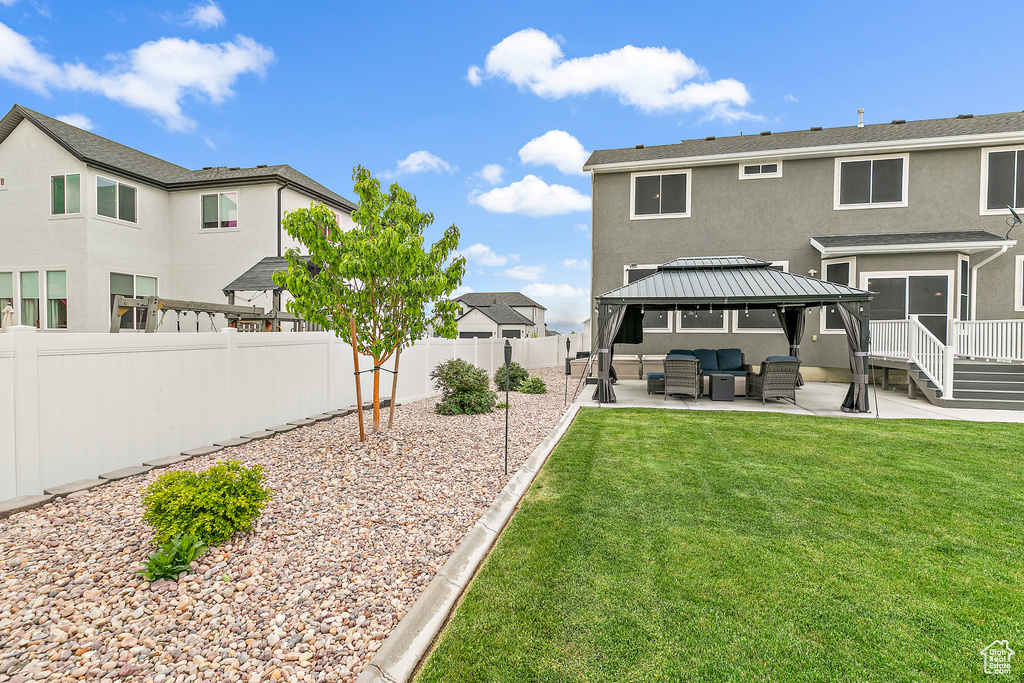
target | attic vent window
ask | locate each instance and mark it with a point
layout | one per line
(815, 128)
(897, 122)
(768, 170)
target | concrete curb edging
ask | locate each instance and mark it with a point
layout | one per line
(406, 645)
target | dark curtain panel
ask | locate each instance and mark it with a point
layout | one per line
(792, 321)
(632, 329)
(855, 322)
(609, 320)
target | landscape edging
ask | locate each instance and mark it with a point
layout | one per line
(406, 645)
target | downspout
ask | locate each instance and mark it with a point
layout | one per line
(974, 279)
(279, 218)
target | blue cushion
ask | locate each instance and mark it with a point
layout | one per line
(680, 352)
(781, 358)
(708, 359)
(730, 359)
(655, 375)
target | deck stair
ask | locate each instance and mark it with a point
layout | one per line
(987, 385)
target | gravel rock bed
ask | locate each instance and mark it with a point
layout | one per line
(351, 536)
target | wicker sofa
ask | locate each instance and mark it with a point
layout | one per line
(723, 361)
(776, 378)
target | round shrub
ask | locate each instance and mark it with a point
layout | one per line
(534, 385)
(464, 388)
(210, 505)
(517, 374)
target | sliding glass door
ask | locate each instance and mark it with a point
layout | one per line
(898, 297)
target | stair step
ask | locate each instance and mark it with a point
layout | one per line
(982, 404)
(989, 368)
(988, 394)
(990, 384)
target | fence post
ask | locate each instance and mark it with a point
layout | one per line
(26, 411)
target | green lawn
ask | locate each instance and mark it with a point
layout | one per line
(662, 545)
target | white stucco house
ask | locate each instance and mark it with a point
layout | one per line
(83, 218)
(499, 314)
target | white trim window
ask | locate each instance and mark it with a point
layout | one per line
(871, 182)
(1018, 285)
(116, 200)
(7, 292)
(654, 321)
(760, 320)
(659, 195)
(963, 287)
(710, 321)
(135, 286)
(26, 292)
(767, 169)
(840, 272)
(928, 294)
(65, 194)
(1002, 180)
(219, 210)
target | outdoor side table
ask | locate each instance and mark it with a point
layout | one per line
(722, 387)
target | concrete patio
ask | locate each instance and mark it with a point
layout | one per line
(814, 398)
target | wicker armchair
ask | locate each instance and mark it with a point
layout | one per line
(683, 376)
(776, 379)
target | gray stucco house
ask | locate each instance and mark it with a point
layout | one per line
(914, 211)
(499, 314)
(84, 218)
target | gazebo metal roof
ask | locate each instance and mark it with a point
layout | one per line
(730, 282)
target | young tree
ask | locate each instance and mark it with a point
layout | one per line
(376, 283)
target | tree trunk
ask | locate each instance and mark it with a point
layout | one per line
(394, 388)
(376, 395)
(359, 395)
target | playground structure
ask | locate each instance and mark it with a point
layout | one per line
(151, 310)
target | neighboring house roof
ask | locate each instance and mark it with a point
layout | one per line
(959, 131)
(502, 314)
(729, 281)
(966, 241)
(478, 299)
(258, 278)
(115, 157)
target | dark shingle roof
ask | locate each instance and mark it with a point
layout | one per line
(503, 314)
(258, 278)
(478, 299)
(894, 238)
(847, 135)
(729, 281)
(101, 152)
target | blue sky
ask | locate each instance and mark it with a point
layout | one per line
(485, 111)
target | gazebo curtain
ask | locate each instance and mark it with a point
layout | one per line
(792, 321)
(609, 320)
(855, 317)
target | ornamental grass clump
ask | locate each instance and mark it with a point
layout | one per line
(517, 374)
(210, 505)
(464, 388)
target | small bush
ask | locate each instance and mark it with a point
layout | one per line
(212, 505)
(172, 558)
(517, 374)
(464, 388)
(502, 405)
(534, 385)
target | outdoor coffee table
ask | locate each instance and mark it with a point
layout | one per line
(721, 387)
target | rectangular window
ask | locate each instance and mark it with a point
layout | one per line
(30, 299)
(897, 297)
(144, 286)
(769, 170)
(701, 321)
(116, 200)
(6, 291)
(840, 273)
(56, 300)
(661, 196)
(965, 288)
(220, 210)
(654, 321)
(1003, 172)
(761, 319)
(65, 194)
(511, 334)
(863, 183)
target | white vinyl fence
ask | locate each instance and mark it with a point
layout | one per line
(73, 406)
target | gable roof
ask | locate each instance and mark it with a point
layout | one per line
(480, 299)
(964, 130)
(113, 156)
(731, 281)
(258, 278)
(502, 314)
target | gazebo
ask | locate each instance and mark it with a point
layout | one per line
(732, 283)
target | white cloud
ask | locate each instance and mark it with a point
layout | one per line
(420, 162)
(576, 264)
(209, 143)
(7, 3)
(154, 77)
(581, 227)
(472, 75)
(554, 291)
(558, 148)
(462, 289)
(652, 79)
(525, 272)
(78, 121)
(483, 255)
(491, 173)
(790, 98)
(531, 196)
(205, 16)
